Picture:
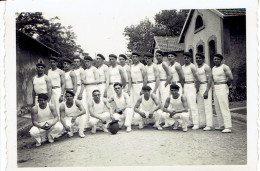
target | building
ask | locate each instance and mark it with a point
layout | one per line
(223, 31)
(28, 52)
(167, 44)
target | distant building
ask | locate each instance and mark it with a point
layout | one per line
(28, 52)
(167, 44)
(223, 31)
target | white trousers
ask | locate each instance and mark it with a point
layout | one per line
(164, 92)
(135, 93)
(190, 93)
(102, 88)
(221, 92)
(84, 97)
(38, 133)
(125, 118)
(96, 122)
(155, 119)
(184, 117)
(205, 106)
(79, 123)
(55, 96)
(152, 85)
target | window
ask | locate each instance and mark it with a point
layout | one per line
(199, 24)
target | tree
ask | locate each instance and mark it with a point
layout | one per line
(49, 32)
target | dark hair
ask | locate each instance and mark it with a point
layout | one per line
(53, 58)
(67, 60)
(95, 91)
(146, 88)
(135, 53)
(42, 96)
(101, 56)
(113, 55)
(77, 57)
(187, 54)
(218, 55)
(70, 92)
(171, 52)
(174, 86)
(160, 52)
(122, 55)
(88, 58)
(200, 54)
(116, 84)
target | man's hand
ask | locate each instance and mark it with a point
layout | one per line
(165, 85)
(61, 98)
(205, 95)
(103, 121)
(80, 96)
(46, 126)
(172, 113)
(67, 128)
(119, 111)
(73, 119)
(141, 92)
(142, 114)
(105, 94)
(150, 115)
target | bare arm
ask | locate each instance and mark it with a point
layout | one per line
(108, 106)
(49, 87)
(157, 78)
(106, 72)
(123, 79)
(166, 105)
(209, 78)
(62, 116)
(158, 106)
(129, 79)
(195, 75)
(179, 70)
(185, 105)
(34, 117)
(144, 74)
(82, 77)
(137, 105)
(33, 93)
(82, 110)
(168, 73)
(55, 114)
(91, 111)
(74, 81)
(96, 75)
(62, 78)
(228, 75)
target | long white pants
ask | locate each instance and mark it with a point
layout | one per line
(135, 93)
(79, 124)
(164, 92)
(125, 118)
(38, 133)
(155, 119)
(205, 106)
(221, 92)
(152, 85)
(84, 98)
(55, 96)
(96, 122)
(88, 95)
(184, 117)
(190, 93)
(102, 88)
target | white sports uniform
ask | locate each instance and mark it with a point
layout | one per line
(45, 115)
(68, 81)
(204, 105)
(175, 76)
(125, 69)
(163, 91)
(121, 102)
(79, 82)
(40, 86)
(147, 106)
(102, 78)
(221, 92)
(176, 104)
(151, 77)
(137, 82)
(80, 122)
(190, 93)
(115, 76)
(54, 76)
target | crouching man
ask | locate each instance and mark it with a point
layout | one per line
(98, 112)
(123, 111)
(147, 109)
(73, 115)
(175, 108)
(45, 120)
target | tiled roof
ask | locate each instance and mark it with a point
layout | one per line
(168, 43)
(232, 12)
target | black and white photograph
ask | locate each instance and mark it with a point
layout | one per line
(149, 84)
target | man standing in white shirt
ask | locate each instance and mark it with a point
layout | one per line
(126, 68)
(223, 78)
(70, 76)
(103, 84)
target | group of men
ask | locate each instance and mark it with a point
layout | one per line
(72, 99)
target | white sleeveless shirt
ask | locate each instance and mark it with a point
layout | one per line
(202, 73)
(90, 77)
(147, 105)
(114, 74)
(150, 72)
(219, 74)
(44, 114)
(101, 72)
(55, 77)
(68, 80)
(39, 84)
(136, 73)
(77, 72)
(188, 73)
(71, 111)
(162, 72)
(98, 108)
(175, 75)
(125, 68)
(176, 103)
(120, 102)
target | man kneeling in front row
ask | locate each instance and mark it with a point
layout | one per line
(147, 109)
(178, 109)
(123, 111)
(45, 120)
(72, 115)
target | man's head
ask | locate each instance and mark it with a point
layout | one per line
(96, 95)
(118, 88)
(40, 68)
(218, 59)
(77, 61)
(199, 58)
(171, 56)
(135, 57)
(42, 100)
(146, 90)
(88, 61)
(159, 56)
(112, 59)
(100, 59)
(174, 89)
(187, 57)
(54, 62)
(67, 64)
(69, 96)
(148, 58)
(122, 59)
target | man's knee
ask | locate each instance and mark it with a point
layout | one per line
(34, 131)
(58, 126)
